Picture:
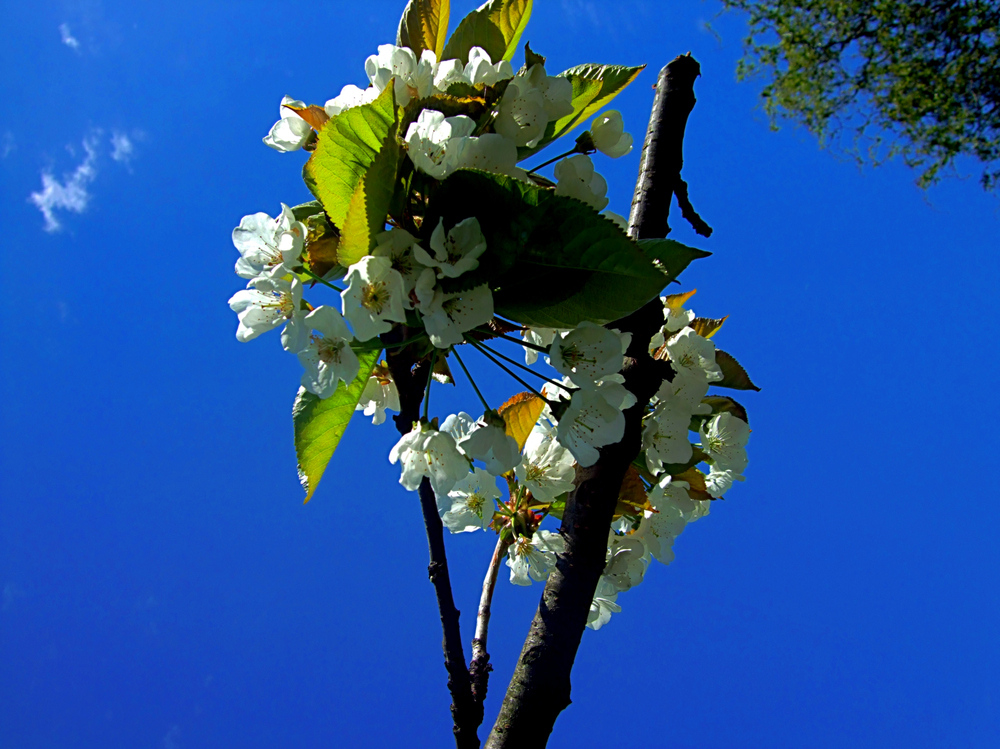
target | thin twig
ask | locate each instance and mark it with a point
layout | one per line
(479, 669)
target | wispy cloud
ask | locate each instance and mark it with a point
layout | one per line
(8, 145)
(71, 194)
(122, 147)
(67, 37)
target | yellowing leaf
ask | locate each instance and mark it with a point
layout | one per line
(707, 327)
(424, 25)
(677, 301)
(366, 213)
(520, 414)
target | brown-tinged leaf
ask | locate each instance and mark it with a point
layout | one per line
(315, 115)
(520, 414)
(707, 327)
(725, 404)
(442, 372)
(694, 477)
(632, 497)
(733, 375)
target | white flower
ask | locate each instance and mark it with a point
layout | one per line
(546, 469)
(531, 100)
(448, 72)
(577, 179)
(373, 298)
(673, 510)
(724, 438)
(413, 78)
(490, 153)
(490, 443)
(589, 353)
(608, 133)
(270, 246)
(328, 357)
(435, 142)
(379, 394)
(448, 316)
(480, 68)
(290, 132)
(627, 560)
(459, 425)
(267, 305)
(534, 558)
(350, 96)
(603, 605)
(539, 337)
(690, 351)
(665, 435)
(693, 360)
(398, 245)
(471, 504)
(592, 420)
(718, 482)
(427, 452)
(455, 252)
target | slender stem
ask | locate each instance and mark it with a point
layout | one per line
(430, 379)
(516, 363)
(485, 352)
(469, 375)
(486, 599)
(518, 341)
(317, 278)
(552, 161)
(402, 344)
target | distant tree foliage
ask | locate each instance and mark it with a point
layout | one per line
(920, 79)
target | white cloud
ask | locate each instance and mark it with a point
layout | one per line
(71, 194)
(8, 145)
(122, 147)
(67, 37)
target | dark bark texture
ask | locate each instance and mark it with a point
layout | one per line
(540, 687)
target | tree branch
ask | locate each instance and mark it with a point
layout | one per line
(479, 670)
(540, 687)
(411, 379)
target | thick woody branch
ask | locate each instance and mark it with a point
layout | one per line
(411, 380)
(540, 687)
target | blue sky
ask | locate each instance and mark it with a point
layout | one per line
(162, 583)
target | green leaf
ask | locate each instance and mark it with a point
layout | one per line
(305, 210)
(346, 148)
(366, 215)
(424, 25)
(495, 26)
(669, 256)
(552, 261)
(594, 86)
(733, 375)
(319, 424)
(675, 469)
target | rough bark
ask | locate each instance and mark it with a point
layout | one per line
(540, 687)
(466, 713)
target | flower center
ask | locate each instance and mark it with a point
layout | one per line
(475, 503)
(374, 297)
(328, 349)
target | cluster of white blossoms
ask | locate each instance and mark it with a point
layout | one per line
(484, 474)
